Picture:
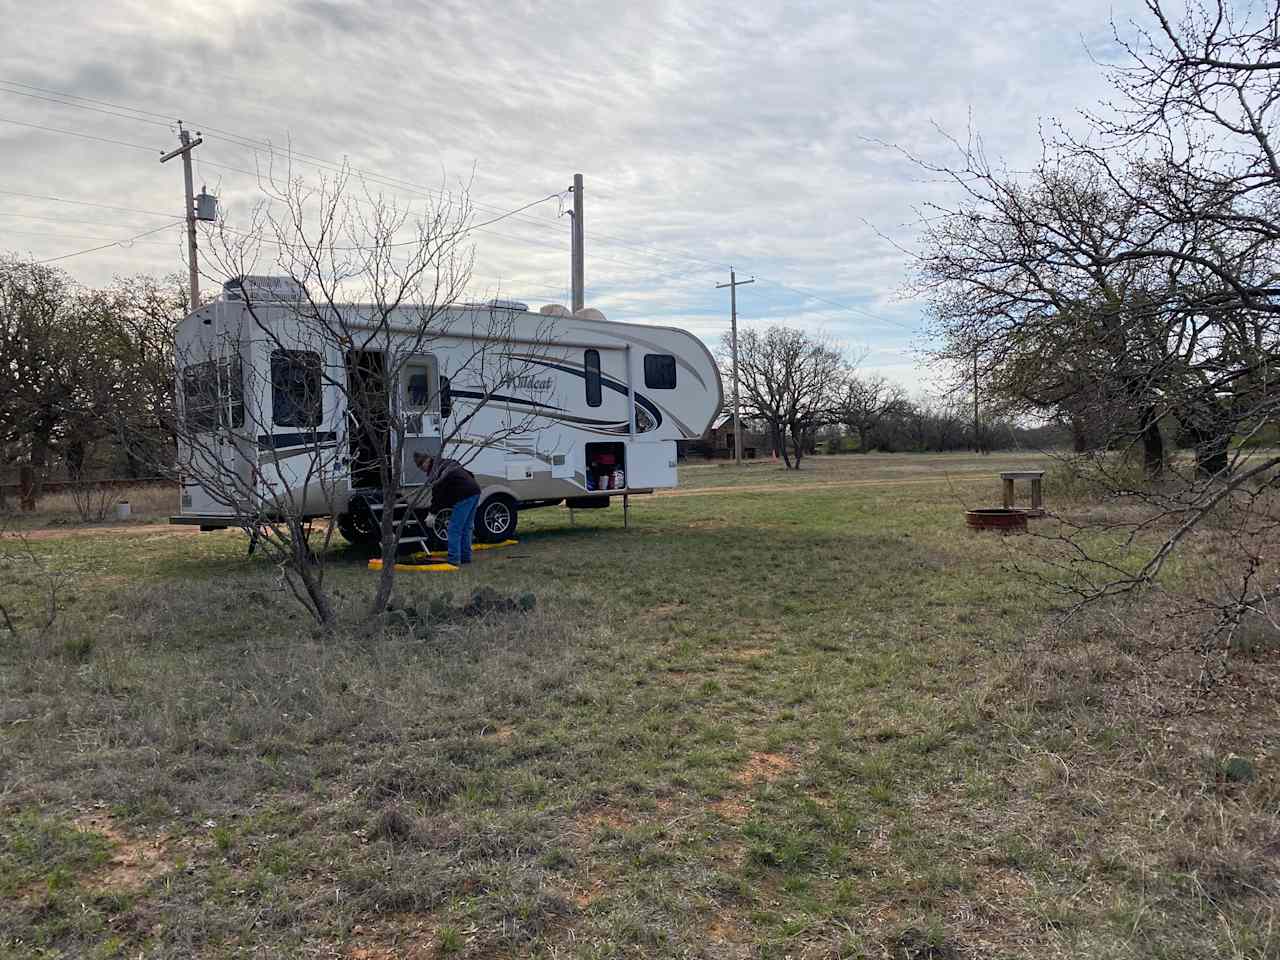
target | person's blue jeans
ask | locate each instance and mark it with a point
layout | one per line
(462, 525)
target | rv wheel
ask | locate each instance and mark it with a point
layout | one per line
(438, 529)
(496, 519)
(358, 528)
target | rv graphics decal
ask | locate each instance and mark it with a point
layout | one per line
(534, 384)
(549, 412)
(644, 406)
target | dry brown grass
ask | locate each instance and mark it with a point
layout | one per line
(860, 755)
(147, 504)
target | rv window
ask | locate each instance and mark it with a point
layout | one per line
(591, 367)
(417, 386)
(213, 394)
(660, 371)
(296, 399)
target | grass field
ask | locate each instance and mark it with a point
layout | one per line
(781, 716)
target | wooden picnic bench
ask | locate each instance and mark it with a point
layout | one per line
(1037, 489)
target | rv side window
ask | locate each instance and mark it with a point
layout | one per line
(591, 367)
(659, 371)
(417, 386)
(213, 394)
(296, 400)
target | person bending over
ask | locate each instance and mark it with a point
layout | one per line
(453, 486)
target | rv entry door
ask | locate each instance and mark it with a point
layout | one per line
(419, 406)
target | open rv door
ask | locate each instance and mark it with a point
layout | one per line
(651, 463)
(418, 401)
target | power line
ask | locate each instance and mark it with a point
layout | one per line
(83, 106)
(163, 119)
(58, 236)
(398, 243)
(76, 133)
(252, 143)
(82, 203)
(113, 243)
(76, 96)
(257, 145)
(91, 223)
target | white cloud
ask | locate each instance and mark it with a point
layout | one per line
(746, 136)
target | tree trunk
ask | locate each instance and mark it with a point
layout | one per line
(797, 440)
(387, 579)
(1079, 441)
(864, 438)
(780, 443)
(75, 457)
(1213, 454)
(39, 460)
(308, 567)
(1152, 443)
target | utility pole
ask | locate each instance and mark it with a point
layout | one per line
(184, 151)
(576, 255)
(733, 285)
(977, 437)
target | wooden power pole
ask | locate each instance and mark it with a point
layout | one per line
(579, 295)
(733, 285)
(977, 435)
(184, 151)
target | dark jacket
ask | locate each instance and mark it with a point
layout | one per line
(451, 482)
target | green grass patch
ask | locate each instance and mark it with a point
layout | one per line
(803, 720)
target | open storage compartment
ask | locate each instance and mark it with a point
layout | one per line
(606, 466)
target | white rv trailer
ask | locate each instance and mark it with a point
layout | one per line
(595, 410)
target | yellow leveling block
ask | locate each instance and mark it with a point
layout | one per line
(437, 567)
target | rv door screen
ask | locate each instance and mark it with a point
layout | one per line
(420, 409)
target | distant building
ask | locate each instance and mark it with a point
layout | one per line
(717, 442)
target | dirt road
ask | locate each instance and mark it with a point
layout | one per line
(817, 485)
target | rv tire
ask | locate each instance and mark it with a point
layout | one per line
(358, 530)
(496, 519)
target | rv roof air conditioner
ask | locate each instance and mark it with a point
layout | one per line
(555, 310)
(263, 288)
(589, 313)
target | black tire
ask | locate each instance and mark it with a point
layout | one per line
(496, 519)
(358, 528)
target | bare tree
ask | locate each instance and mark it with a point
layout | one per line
(355, 373)
(41, 339)
(787, 379)
(863, 403)
(1131, 281)
(144, 311)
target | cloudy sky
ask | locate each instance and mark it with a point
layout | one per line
(709, 135)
